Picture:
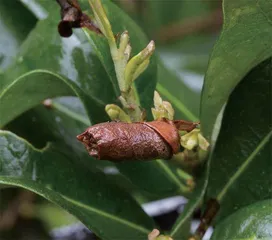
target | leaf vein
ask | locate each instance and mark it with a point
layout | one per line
(242, 168)
(104, 214)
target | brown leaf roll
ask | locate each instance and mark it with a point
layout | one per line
(119, 141)
(168, 131)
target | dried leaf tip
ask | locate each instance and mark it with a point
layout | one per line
(90, 144)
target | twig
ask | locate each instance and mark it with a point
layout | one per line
(73, 17)
(205, 221)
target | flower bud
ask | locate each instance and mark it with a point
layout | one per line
(163, 109)
(190, 140)
(137, 65)
(124, 42)
(196, 146)
(116, 113)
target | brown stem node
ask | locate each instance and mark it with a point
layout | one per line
(212, 209)
(73, 17)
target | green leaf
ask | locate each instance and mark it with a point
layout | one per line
(57, 123)
(55, 174)
(253, 222)
(72, 58)
(13, 29)
(245, 41)
(26, 92)
(240, 172)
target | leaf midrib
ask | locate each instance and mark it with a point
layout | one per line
(63, 79)
(243, 167)
(107, 215)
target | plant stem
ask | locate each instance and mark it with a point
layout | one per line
(120, 56)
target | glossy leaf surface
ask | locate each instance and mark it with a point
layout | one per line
(245, 41)
(241, 166)
(26, 92)
(83, 192)
(248, 223)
